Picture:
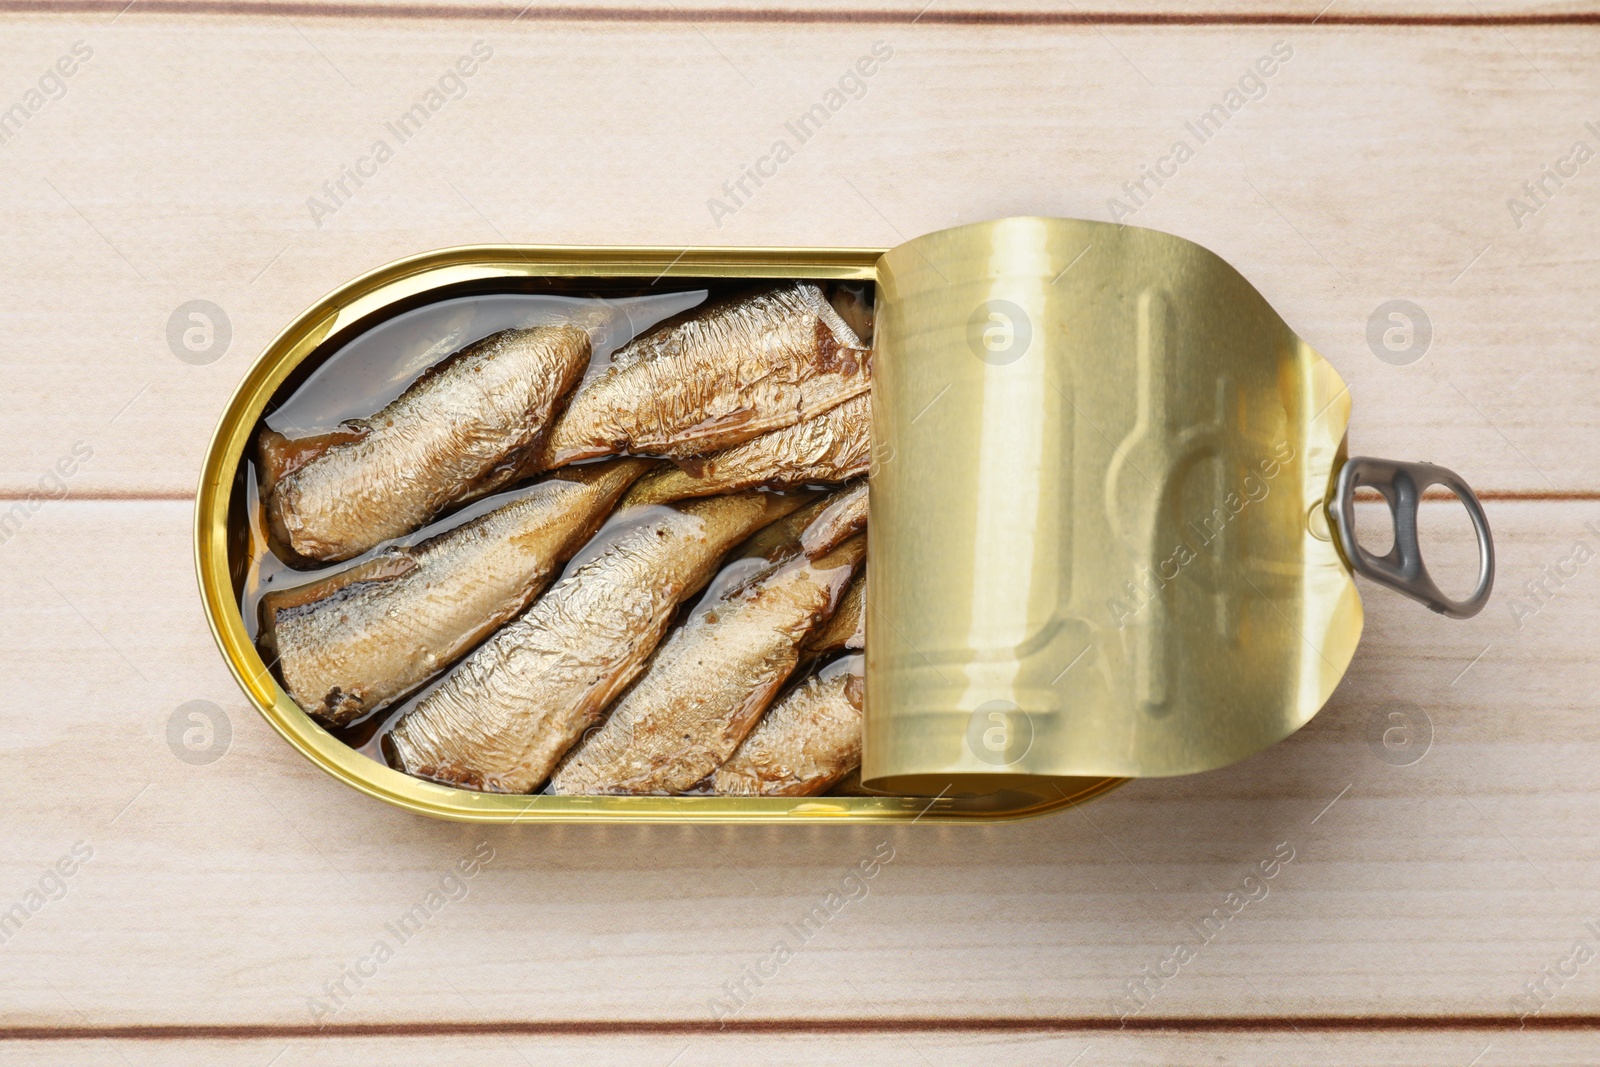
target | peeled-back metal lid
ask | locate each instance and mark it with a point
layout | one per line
(1101, 541)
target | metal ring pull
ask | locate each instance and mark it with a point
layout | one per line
(1402, 569)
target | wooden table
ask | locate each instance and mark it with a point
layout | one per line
(217, 902)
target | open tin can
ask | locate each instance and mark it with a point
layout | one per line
(1111, 515)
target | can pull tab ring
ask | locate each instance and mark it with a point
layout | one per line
(1402, 569)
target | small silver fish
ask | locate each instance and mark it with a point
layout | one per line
(844, 516)
(715, 377)
(813, 530)
(808, 740)
(502, 718)
(458, 431)
(832, 447)
(712, 678)
(853, 302)
(848, 626)
(356, 641)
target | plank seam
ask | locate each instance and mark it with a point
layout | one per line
(872, 1025)
(786, 16)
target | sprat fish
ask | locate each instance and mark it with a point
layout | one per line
(715, 377)
(712, 678)
(847, 628)
(354, 642)
(832, 447)
(460, 430)
(503, 717)
(808, 740)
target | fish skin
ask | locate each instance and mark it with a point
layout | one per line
(357, 641)
(459, 430)
(779, 541)
(832, 447)
(849, 299)
(847, 628)
(808, 740)
(709, 682)
(503, 717)
(844, 516)
(715, 377)
(813, 530)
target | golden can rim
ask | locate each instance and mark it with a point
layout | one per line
(410, 277)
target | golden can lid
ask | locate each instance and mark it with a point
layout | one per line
(1099, 539)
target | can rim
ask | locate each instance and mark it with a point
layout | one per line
(362, 299)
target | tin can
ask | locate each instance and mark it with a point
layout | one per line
(1067, 587)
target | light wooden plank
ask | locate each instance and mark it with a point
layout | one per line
(908, 1050)
(780, 11)
(1378, 166)
(233, 892)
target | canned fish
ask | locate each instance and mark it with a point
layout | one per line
(534, 533)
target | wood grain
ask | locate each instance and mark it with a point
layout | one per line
(1377, 166)
(907, 1050)
(777, 12)
(910, 1050)
(231, 893)
(221, 899)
